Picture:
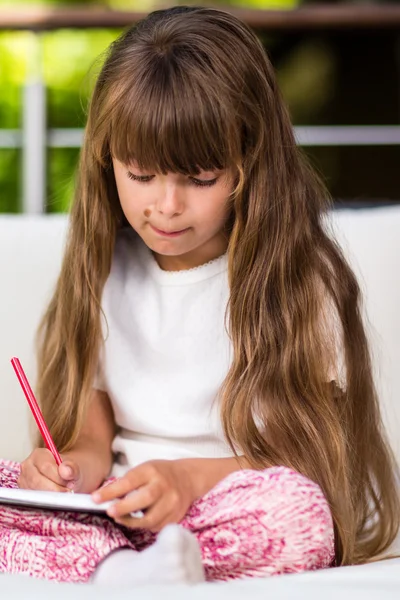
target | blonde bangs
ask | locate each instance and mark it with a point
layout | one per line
(167, 123)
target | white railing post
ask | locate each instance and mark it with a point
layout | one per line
(34, 134)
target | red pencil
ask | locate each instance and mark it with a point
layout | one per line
(37, 413)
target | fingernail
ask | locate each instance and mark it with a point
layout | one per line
(96, 497)
(71, 485)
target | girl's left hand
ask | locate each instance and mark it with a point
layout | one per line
(161, 487)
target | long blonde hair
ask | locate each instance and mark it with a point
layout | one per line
(189, 89)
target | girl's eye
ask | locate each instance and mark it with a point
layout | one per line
(204, 182)
(194, 180)
(140, 178)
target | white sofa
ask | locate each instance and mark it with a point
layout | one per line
(30, 257)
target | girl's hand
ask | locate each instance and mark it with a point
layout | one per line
(161, 487)
(40, 472)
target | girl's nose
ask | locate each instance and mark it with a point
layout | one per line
(170, 201)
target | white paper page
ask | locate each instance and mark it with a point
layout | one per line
(54, 501)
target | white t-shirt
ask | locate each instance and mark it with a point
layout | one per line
(165, 356)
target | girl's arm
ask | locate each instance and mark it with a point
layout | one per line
(165, 489)
(92, 451)
(205, 473)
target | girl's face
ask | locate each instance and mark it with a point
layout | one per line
(180, 218)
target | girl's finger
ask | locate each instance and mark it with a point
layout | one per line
(136, 500)
(33, 478)
(40, 483)
(50, 472)
(119, 488)
(154, 520)
(46, 485)
(68, 471)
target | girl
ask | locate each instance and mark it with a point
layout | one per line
(204, 344)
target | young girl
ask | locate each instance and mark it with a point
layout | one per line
(204, 344)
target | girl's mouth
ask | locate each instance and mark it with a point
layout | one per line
(169, 233)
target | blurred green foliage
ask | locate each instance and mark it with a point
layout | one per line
(70, 60)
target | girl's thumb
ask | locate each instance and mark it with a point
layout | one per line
(66, 471)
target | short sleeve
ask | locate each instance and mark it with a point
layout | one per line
(99, 381)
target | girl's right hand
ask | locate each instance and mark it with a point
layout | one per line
(40, 472)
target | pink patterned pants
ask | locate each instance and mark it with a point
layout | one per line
(251, 524)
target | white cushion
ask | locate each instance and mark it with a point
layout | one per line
(370, 239)
(30, 257)
(366, 582)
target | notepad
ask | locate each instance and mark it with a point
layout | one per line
(36, 499)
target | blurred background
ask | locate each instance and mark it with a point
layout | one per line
(338, 64)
